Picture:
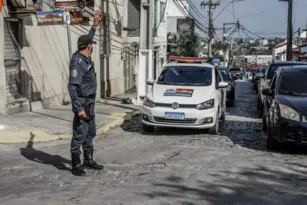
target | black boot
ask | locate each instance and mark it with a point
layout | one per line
(77, 168)
(89, 162)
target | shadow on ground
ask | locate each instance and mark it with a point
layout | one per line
(42, 157)
(258, 185)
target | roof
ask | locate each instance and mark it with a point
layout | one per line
(289, 63)
(190, 64)
(294, 68)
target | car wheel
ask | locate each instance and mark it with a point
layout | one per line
(264, 124)
(215, 129)
(147, 128)
(271, 144)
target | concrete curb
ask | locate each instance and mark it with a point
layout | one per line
(10, 137)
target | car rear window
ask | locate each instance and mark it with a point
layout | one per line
(186, 75)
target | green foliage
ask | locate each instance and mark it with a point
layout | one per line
(187, 45)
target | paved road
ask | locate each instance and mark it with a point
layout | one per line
(168, 167)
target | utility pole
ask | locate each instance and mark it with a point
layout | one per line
(290, 30)
(211, 6)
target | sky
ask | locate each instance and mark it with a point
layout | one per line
(267, 18)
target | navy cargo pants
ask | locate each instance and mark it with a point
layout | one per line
(84, 131)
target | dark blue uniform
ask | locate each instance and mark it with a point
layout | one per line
(82, 89)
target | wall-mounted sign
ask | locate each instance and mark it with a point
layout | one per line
(57, 17)
(50, 18)
(66, 4)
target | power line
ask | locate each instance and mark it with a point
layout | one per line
(232, 1)
(186, 13)
(199, 14)
(261, 12)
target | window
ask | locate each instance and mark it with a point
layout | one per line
(134, 11)
(186, 75)
(225, 75)
(293, 83)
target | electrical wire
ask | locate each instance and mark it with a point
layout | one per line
(261, 12)
(197, 24)
(223, 10)
(190, 15)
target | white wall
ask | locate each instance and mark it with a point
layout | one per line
(172, 10)
(46, 59)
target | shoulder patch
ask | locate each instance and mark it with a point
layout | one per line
(80, 60)
(74, 73)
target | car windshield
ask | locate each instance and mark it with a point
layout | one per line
(186, 75)
(294, 83)
(234, 70)
(224, 74)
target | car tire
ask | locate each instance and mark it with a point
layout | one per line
(215, 129)
(147, 128)
(264, 124)
(271, 144)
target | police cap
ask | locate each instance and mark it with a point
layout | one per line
(84, 41)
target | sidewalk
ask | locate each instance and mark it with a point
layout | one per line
(56, 123)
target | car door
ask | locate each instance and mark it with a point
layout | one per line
(268, 99)
(218, 91)
(270, 102)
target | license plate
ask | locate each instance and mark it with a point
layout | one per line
(174, 115)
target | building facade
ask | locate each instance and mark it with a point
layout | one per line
(34, 55)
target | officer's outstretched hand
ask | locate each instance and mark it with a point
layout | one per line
(82, 114)
(97, 17)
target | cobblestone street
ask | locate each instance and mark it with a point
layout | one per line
(169, 166)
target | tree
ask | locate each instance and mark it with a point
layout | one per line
(186, 45)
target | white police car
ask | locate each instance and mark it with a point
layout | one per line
(185, 95)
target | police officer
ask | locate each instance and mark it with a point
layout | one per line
(82, 89)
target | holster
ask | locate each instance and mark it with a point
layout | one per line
(89, 108)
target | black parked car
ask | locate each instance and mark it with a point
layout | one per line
(236, 73)
(267, 77)
(285, 109)
(230, 98)
(256, 79)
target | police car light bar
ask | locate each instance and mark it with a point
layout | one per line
(190, 59)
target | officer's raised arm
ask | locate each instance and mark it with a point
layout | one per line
(97, 20)
(75, 79)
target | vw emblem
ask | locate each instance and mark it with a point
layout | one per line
(175, 105)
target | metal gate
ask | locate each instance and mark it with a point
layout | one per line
(12, 60)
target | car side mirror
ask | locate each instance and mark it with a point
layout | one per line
(150, 82)
(260, 75)
(267, 92)
(223, 85)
